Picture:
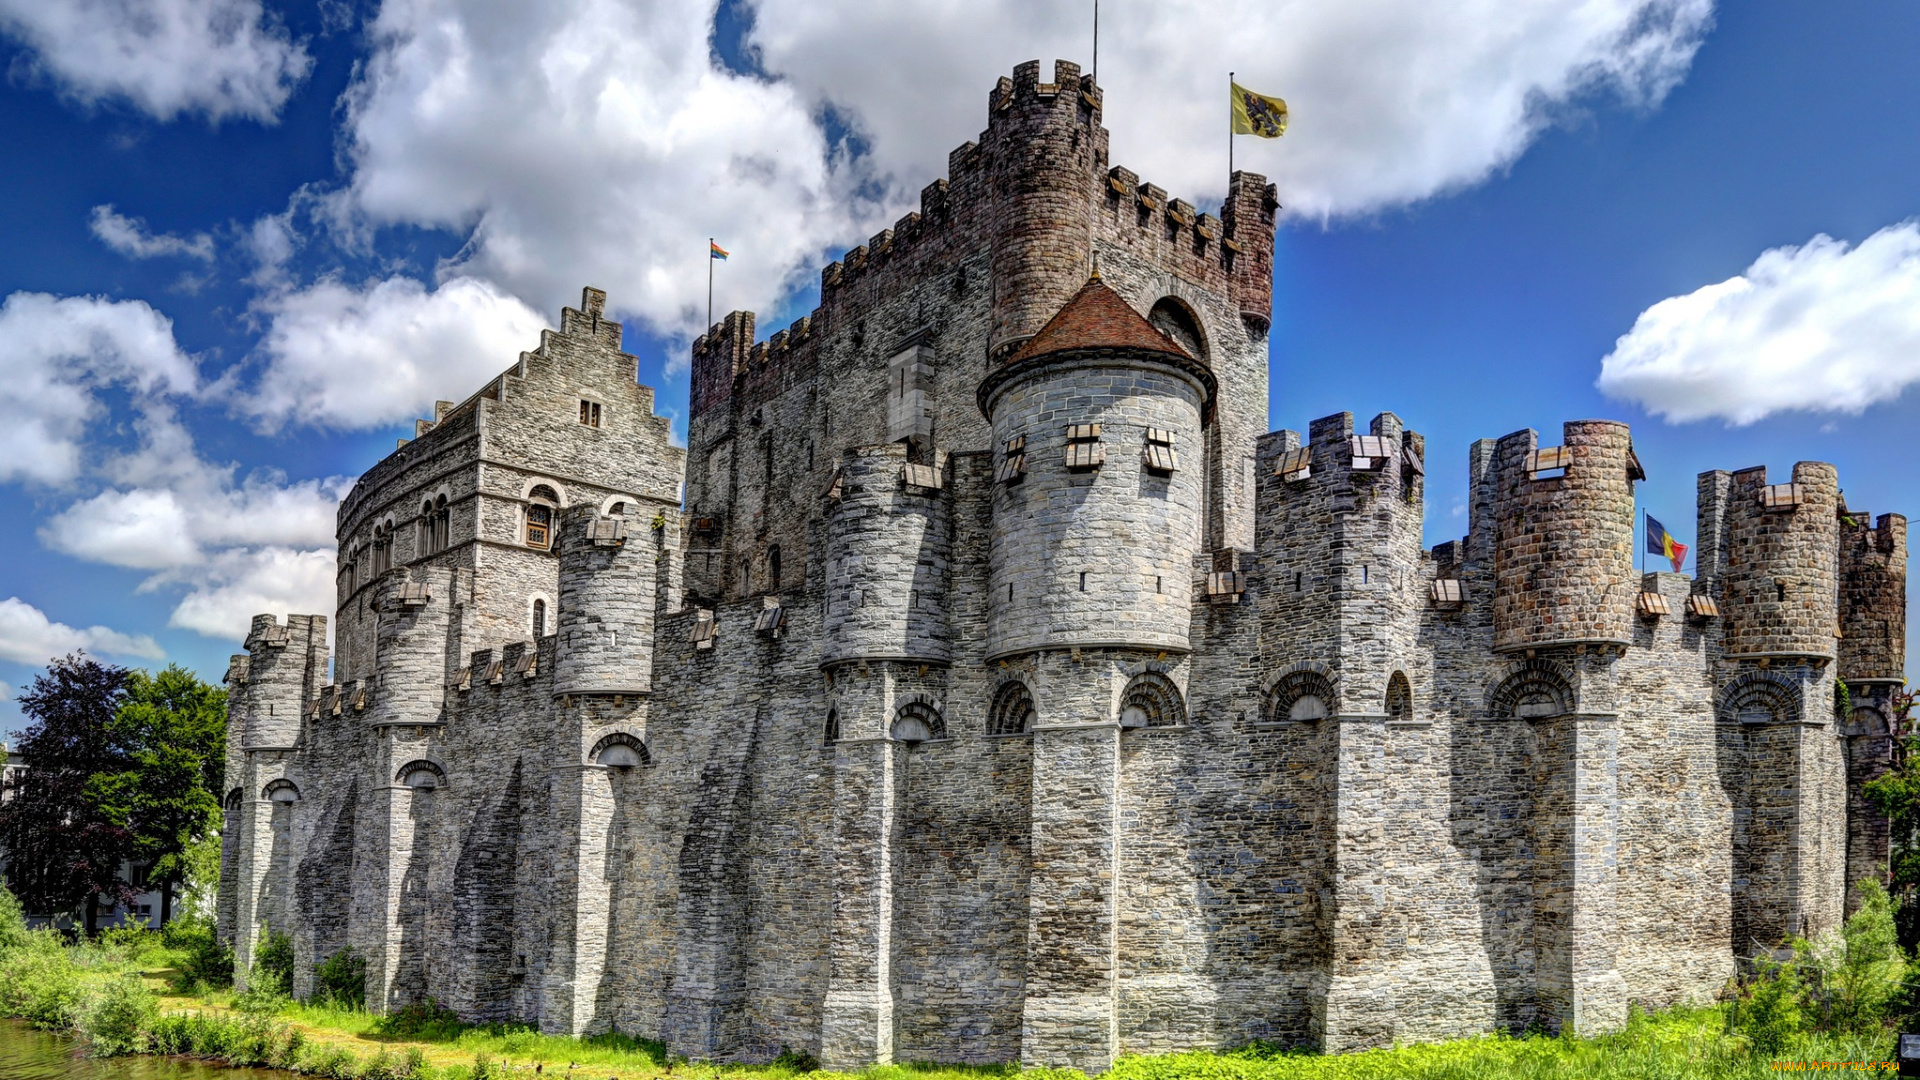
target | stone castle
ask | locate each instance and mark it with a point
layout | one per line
(997, 688)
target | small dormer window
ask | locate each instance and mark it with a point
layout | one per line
(1084, 450)
(589, 413)
(1013, 462)
(1549, 463)
(1159, 455)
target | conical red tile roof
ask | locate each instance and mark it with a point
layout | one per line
(1096, 318)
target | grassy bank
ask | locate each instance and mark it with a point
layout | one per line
(140, 993)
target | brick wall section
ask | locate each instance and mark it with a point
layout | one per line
(1779, 571)
(1537, 807)
(1564, 547)
(1873, 579)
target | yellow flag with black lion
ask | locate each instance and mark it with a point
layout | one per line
(1257, 114)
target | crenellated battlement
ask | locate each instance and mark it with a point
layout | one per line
(1563, 536)
(1772, 551)
(988, 201)
(1336, 462)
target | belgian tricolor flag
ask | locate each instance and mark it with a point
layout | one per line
(1661, 542)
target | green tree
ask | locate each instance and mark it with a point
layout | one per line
(62, 850)
(171, 730)
(1896, 794)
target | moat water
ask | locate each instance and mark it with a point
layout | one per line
(26, 1054)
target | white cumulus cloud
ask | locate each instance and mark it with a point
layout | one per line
(241, 583)
(132, 238)
(165, 57)
(58, 353)
(590, 143)
(376, 354)
(27, 636)
(599, 143)
(228, 543)
(1392, 101)
(1819, 327)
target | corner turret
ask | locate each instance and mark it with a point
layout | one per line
(1047, 144)
(1563, 537)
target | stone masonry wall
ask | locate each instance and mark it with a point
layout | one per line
(790, 770)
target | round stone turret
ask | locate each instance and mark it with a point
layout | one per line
(1045, 137)
(286, 666)
(1780, 581)
(889, 542)
(1563, 540)
(1097, 434)
(1873, 597)
(607, 570)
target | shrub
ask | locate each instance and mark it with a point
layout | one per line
(274, 956)
(796, 1061)
(426, 1019)
(41, 985)
(1768, 1011)
(116, 1017)
(13, 922)
(266, 993)
(1855, 974)
(204, 962)
(484, 1068)
(341, 981)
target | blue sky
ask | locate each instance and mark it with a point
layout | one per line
(240, 260)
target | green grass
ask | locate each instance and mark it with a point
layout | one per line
(62, 987)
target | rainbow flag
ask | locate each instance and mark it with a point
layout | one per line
(1661, 542)
(715, 251)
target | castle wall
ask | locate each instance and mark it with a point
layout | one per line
(1278, 772)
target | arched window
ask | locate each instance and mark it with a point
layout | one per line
(539, 619)
(1535, 691)
(773, 567)
(1012, 712)
(832, 730)
(620, 751)
(746, 576)
(442, 522)
(1301, 696)
(1151, 700)
(1175, 319)
(1755, 698)
(350, 572)
(1399, 697)
(426, 544)
(382, 550)
(917, 722)
(421, 775)
(542, 501)
(280, 791)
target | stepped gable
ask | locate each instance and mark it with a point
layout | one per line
(1097, 318)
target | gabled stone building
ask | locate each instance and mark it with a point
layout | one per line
(995, 689)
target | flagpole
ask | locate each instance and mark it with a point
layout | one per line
(709, 283)
(1229, 131)
(1095, 73)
